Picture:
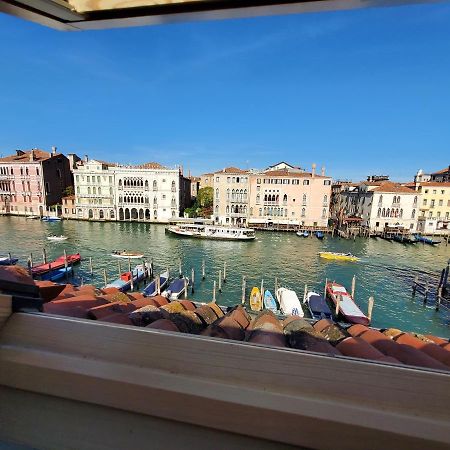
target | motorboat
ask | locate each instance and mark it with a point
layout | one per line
(53, 237)
(319, 235)
(256, 303)
(302, 234)
(123, 283)
(58, 263)
(126, 255)
(152, 288)
(289, 302)
(347, 307)
(51, 219)
(339, 256)
(318, 306)
(269, 302)
(176, 288)
(212, 232)
(58, 274)
(8, 261)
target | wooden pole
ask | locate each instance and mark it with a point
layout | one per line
(203, 269)
(129, 264)
(31, 260)
(225, 272)
(180, 273)
(144, 266)
(192, 279)
(119, 268)
(44, 256)
(105, 277)
(262, 289)
(158, 285)
(9, 256)
(185, 288)
(370, 308)
(338, 302)
(66, 264)
(325, 289)
(220, 281)
(90, 265)
(151, 269)
(353, 286)
(132, 279)
(214, 292)
(243, 290)
(276, 285)
(305, 293)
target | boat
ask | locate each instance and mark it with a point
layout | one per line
(176, 288)
(347, 306)
(338, 256)
(57, 274)
(426, 240)
(289, 302)
(212, 232)
(318, 306)
(320, 235)
(58, 263)
(302, 233)
(32, 217)
(57, 238)
(8, 261)
(124, 282)
(255, 300)
(152, 289)
(404, 239)
(50, 218)
(126, 255)
(269, 302)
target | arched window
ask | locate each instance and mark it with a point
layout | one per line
(245, 194)
(304, 199)
(94, 190)
(413, 214)
(237, 179)
(155, 213)
(303, 212)
(228, 194)
(217, 194)
(260, 211)
(155, 200)
(415, 200)
(101, 215)
(227, 209)
(146, 184)
(380, 200)
(388, 212)
(325, 198)
(324, 213)
(285, 199)
(233, 196)
(379, 212)
(155, 185)
(257, 198)
(120, 199)
(401, 212)
(89, 190)
(174, 187)
(217, 209)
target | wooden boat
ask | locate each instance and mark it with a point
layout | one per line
(58, 263)
(152, 289)
(318, 306)
(57, 274)
(126, 255)
(347, 307)
(289, 302)
(255, 301)
(8, 261)
(176, 288)
(53, 237)
(426, 240)
(338, 256)
(212, 232)
(124, 282)
(269, 301)
(404, 239)
(319, 235)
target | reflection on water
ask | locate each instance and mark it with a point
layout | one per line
(385, 271)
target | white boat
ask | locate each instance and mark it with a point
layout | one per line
(127, 255)
(56, 238)
(212, 232)
(289, 302)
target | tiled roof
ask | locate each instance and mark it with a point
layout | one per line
(389, 186)
(441, 171)
(288, 173)
(232, 170)
(436, 183)
(236, 323)
(151, 165)
(38, 155)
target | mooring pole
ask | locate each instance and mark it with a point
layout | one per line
(105, 277)
(425, 299)
(305, 293)
(370, 308)
(44, 256)
(438, 300)
(129, 264)
(325, 289)
(151, 269)
(180, 273)
(214, 292)
(192, 279)
(185, 288)
(132, 278)
(353, 286)
(220, 281)
(243, 290)
(119, 269)
(225, 272)
(203, 269)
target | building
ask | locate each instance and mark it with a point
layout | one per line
(95, 190)
(148, 192)
(32, 181)
(434, 217)
(271, 197)
(206, 180)
(337, 204)
(441, 175)
(382, 204)
(195, 186)
(68, 207)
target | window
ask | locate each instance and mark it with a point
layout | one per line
(325, 199)
(426, 191)
(424, 202)
(258, 181)
(303, 212)
(304, 199)
(217, 194)
(441, 202)
(217, 179)
(413, 214)
(305, 182)
(228, 179)
(432, 203)
(88, 179)
(327, 182)
(37, 171)
(258, 199)
(379, 212)
(434, 191)
(324, 213)
(98, 181)
(415, 200)
(438, 214)
(443, 192)
(155, 185)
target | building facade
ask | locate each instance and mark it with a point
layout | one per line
(33, 181)
(206, 180)
(434, 215)
(381, 205)
(149, 192)
(441, 176)
(68, 207)
(271, 197)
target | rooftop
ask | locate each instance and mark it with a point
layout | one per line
(389, 186)
(288, 173)
(34, 155)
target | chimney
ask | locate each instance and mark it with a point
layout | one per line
(31, 155)
(53, 150)
(322, 172)
(313, 171)
(86, 158)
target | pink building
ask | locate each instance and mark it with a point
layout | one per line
(32, 181)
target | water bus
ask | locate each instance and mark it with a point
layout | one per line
(212, 232)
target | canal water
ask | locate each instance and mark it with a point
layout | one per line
(386, 269)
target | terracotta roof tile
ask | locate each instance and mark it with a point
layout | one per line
(389, 186)
(290, 174)
(163, 324)
(38, 155)
(359, 348)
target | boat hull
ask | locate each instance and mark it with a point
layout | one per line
(338, 257)
(255, 300)
(56, 264)
(217, 238)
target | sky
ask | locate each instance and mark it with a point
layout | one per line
(360, 92)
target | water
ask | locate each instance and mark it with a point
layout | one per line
(386, 269)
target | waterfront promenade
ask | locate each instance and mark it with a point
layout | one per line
(386, 270)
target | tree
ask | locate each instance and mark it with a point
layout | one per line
(68, 191)
(205, 197)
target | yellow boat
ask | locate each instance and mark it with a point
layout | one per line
(338, 256)
(255, 300)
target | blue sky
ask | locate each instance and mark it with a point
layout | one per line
(361, 92)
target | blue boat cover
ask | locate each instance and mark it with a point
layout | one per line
(150, 289)
(318, 306)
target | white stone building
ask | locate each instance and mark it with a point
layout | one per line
(383, 204)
